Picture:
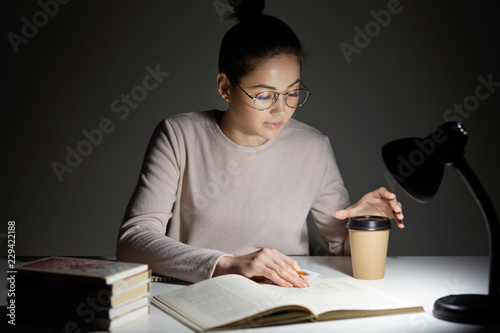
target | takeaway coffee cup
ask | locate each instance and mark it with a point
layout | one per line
(369, 238)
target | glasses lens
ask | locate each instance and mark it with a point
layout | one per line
(293, 99)
(264, 100)
(296, 98)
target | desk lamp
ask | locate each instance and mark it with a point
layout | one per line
(417, 164)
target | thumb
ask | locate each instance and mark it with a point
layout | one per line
(341, 214)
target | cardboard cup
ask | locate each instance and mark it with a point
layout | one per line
(369, 239)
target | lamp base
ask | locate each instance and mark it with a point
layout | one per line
(468, 308)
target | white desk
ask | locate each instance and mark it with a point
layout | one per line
(421, 279)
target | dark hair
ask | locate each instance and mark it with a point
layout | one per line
(255, 38)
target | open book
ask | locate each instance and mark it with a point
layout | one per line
(233, 301)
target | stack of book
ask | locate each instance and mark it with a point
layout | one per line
(81, 294)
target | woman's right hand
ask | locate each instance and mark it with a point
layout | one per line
(267, 263)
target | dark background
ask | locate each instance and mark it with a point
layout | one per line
(64, 78)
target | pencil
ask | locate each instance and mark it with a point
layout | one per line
(301, 273)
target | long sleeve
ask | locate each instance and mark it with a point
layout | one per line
(200, 196)
(332, 196)
(142, 236)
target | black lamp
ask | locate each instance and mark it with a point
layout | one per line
(417, 164)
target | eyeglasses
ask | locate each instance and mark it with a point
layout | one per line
(266, 100)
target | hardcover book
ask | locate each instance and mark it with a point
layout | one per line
(233, 301)
(89, 293)
(80, 269)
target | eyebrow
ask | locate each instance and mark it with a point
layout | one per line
(273, 88)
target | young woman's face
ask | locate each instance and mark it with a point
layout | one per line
(245, 125)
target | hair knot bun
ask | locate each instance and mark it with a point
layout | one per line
(245, 10)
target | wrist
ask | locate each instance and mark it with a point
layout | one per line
(223, 266)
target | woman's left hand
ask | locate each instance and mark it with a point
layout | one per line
(380, 202)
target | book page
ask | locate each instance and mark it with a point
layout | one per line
(219, 301)
(345, 293)
(230, 298)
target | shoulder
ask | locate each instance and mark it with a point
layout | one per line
(191, 118)
(187, 122)
(181, 128)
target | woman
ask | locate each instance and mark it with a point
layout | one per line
(229, 192)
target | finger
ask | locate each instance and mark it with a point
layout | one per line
(292, 263)
(264, 263)
(306, 280)
(295, 279)
(285, 277)
(399, 215)
(276, 278)
(400, 223)
(384, 193)
(303, 275)
(288, 269)
(340, 214)
(396, 206)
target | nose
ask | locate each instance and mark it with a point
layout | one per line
(279, 107)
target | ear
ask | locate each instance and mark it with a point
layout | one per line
(224, 86)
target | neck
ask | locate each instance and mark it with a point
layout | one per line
(228, 126)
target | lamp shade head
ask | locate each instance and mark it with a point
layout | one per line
(417, 164)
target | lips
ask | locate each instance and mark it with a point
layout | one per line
(273, 126)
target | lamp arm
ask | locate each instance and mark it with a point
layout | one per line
(490, 216)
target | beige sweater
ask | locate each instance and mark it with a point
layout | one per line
(200, 196)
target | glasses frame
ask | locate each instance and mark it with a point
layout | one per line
(277, 96)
